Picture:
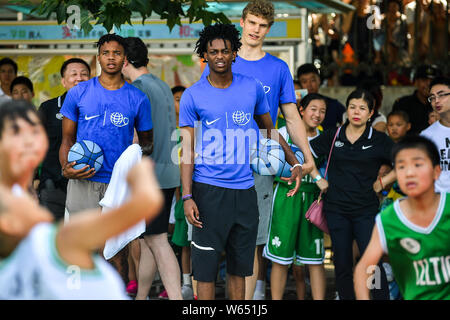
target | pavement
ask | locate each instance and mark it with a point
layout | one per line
(290, 290)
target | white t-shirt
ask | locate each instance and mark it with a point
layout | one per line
(440, 135)
(35, 271)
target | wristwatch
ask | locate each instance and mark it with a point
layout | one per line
(317, 178)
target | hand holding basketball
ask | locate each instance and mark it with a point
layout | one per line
(69, 172)
(85, 158)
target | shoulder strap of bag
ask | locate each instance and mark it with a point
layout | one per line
(329, 156)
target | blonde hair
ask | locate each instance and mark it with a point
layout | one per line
(260, 8)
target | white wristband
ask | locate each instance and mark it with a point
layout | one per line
(297, 165)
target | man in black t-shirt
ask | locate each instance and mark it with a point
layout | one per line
(416, 105)
(52, 187)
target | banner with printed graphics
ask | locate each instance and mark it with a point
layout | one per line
(39, 32)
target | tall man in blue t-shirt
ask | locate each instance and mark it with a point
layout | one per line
(218, 186)
(274, 74)
(105, 110)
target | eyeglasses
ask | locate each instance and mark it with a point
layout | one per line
(432, 99)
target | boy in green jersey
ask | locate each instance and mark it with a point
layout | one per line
(414, 231)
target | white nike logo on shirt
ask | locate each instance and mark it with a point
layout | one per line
(364, 147)
(208, 123)
(92, 117)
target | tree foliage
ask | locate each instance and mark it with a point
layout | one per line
(109, 13)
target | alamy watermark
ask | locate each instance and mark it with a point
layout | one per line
(374, 21)
(374, 280)
(74, 18)
(73, 281)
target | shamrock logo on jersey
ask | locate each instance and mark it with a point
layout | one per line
(276, 242)
(410, 245)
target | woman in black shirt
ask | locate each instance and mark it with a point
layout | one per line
(350, 204)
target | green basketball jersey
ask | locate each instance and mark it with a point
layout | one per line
(420, 257)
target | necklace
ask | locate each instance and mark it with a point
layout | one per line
(211, 83)
(209, 80)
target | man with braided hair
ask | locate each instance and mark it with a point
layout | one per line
(275, 76)
(218, 187)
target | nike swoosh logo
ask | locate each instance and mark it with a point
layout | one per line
(208, 123)
(91, 117)
(364, 147)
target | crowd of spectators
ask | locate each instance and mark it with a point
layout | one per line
(385, 39)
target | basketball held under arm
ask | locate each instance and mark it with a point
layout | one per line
(69, 131)
(89, 230)
(268, 131)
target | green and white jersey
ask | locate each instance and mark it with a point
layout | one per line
(35, 271)
(420, 257)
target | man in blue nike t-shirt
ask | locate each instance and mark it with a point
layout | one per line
(218, 189)
(275, 76)
(105, 110)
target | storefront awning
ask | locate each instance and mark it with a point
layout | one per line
(234, 8)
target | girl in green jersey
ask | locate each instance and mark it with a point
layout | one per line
(414, 231)
(293, 239)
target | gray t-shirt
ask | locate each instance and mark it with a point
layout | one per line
(164, 124)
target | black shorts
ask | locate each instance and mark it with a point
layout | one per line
(161, 223)
(230, 223)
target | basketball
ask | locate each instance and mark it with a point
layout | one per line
(285, 169)
(266, 157)
(86, 153)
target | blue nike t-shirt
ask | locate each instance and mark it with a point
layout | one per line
(224, 132)
(274, 75)
(108, 118)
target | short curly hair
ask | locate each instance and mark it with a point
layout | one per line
(260, 8)
(218, 31)
(111, 37)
